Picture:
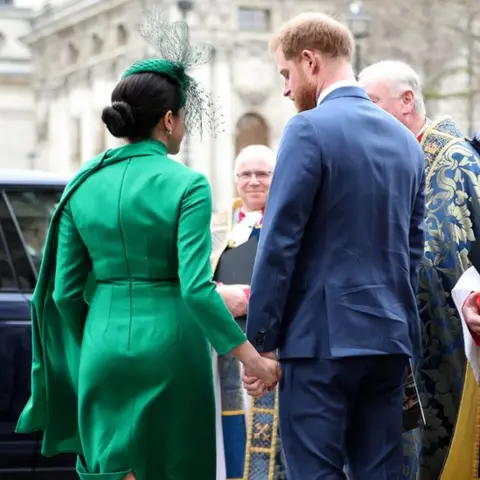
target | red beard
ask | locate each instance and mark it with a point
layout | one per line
(305, 98)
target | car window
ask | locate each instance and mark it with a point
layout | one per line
(8, 279)
(33, 210)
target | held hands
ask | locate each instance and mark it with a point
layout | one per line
(256, 382)
(234, 298)
(471, 312)
(261, 371)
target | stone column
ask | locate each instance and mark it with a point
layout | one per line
(199, 148)
(60, 135)
(223, 145)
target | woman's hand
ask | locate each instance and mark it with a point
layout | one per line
(254, 386)
(262, 370)
(264, 375)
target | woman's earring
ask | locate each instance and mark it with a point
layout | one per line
(169, 131)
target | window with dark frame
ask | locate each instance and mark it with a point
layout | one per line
(254, 19)
(8, 280)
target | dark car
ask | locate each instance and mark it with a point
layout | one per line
(27, 201)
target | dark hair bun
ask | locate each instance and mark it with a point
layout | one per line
(139, 102)
(119, 119)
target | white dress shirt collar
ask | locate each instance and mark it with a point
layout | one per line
(334, 86)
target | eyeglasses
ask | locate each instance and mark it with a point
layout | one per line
(258, 174)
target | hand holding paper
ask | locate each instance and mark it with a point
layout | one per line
(468, 309)
(471, 314)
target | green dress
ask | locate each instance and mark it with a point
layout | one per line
(125, 380)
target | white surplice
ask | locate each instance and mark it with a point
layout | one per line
(239, 234)
(221, 467)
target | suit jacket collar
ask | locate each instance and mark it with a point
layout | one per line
(351, 91)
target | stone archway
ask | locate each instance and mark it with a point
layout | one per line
(252, 129)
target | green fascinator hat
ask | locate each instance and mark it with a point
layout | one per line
(174, 57)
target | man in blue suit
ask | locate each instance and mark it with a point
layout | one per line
(336, 272)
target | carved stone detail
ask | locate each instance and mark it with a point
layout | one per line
(253, 73)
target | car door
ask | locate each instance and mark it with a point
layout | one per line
(25, 214)
(15, 342)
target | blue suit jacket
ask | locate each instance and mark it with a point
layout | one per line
(342, 239)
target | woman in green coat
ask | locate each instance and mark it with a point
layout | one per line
(125, 380)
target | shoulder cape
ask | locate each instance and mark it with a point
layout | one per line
(53, 386)
(452, 223)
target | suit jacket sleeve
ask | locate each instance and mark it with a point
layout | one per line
(194, 246)
(417, 233)
(72, 268)
(294, 186)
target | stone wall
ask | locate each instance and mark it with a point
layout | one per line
(80, 48)
(17, 138)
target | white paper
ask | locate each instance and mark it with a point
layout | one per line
(469, 282)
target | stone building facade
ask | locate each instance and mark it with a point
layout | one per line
(17, 137)
(79, 49)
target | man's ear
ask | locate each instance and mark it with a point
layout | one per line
(408, 100)
(311, 59)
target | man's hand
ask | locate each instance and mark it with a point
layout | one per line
(471, 312)
(234, 298)
(254, 386)
(271, 355)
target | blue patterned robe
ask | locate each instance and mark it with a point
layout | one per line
(452, 207)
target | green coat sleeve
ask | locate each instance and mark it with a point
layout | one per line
(73, 266)
(194, 245)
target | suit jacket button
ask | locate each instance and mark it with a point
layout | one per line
(259, 339)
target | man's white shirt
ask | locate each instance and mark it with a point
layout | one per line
(334, 86)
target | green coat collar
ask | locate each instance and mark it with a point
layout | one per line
(143, 148)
